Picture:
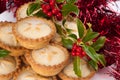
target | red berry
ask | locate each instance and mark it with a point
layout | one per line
(52, 2)
(55, 11)
(73, 53)
(78, 40)
(43, 6)
(45, 11)
(60, 5)
(46, 7)
(59, 16)
(49, 14)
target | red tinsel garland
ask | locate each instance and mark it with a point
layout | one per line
(20, 2)
(107, 23)
(2, 5)
(7, 4)
(104, 21)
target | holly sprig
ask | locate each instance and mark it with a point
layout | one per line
(88, 41)
(57, 9)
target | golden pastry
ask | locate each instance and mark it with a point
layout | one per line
(27, 73)
(49, 60)
(69, 74)
(8, 66)
(22, 11)
(8, 40)
(33, 32)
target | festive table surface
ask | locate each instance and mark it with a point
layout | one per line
(100, 75)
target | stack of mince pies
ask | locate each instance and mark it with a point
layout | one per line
(36, 52)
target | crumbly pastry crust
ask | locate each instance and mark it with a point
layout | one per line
(47, 70)
(57, 39)
(18, 17)
(63, 76)
(34, 43)
(26, 68)
(24, 60)
(15, 50)
(9, 76)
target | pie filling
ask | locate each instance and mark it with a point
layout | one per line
(7, 37)
(72, 26)
(7, 65)
(34, 29)
(22, 11)
(49, 56)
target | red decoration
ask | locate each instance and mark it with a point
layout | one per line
(107, 23)
(77, 51)
(17, 3)
(2, 5)
(50, 9)
(8, 4)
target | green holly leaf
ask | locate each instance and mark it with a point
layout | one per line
(101, 59)
(90, 35)
(68, 8)
(67, 43)
(69, 31)
(80, 27)
(40, 14)
(60, 1)
(90, 52)
(4, 53)
(76, 66)
(63, 22)
(99, 43)
(71, 1)
(59, 29)
(32, 7)
(73, 36)
(93, 64)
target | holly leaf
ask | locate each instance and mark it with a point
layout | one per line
(71, 1)
(99, 43)
(76, 66)
(32, 7)
(63, 22)
(69, 31)
(59, 29)
(67, 43)
(68, 8)
(93, 64)
(80, 27)
(90, 35)
(60, 1)
(101, 59)
(73, 36)
(4, 53)
(90, 52)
